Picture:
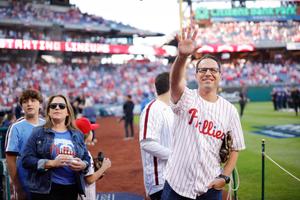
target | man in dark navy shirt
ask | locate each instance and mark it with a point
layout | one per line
(128, 117)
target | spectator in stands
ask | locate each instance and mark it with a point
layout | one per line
(55, 154)
(2, 117)
(75, 108)
(18, 110)
(86, 127)
(90, 113)
(128, 107)
(17, 137)
(80, 102)
(134, 78)
(8, 120)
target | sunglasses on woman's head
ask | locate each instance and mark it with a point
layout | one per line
(60, 106)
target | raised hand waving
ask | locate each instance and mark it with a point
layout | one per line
(187, 42)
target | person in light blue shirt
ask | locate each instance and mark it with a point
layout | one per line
(90, 113)
(16, 139)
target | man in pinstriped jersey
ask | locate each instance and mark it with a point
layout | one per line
(156, 123)
(202, 119)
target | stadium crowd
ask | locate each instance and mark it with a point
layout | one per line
(107, 84)
(28, 13)
(218, 33)
(33, 34)
(256, 73)
(88, 84)
(250, 32)
(246, 32)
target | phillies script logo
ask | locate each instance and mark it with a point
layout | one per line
(208, 127)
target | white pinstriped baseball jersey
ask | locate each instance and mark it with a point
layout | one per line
(200, 126)
(156, 124)
(90, 189)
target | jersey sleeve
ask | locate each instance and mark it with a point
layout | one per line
(155, 149)
(150, 123)
(184, 102)
(12, 144)
(91, 167)
(236, 131)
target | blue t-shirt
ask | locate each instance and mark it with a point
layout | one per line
(16, 140)
(63, 145)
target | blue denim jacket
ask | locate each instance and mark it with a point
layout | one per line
(37, 153)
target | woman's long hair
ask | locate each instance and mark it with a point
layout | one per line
(69, 121)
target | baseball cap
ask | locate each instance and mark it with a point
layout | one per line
(85, 125)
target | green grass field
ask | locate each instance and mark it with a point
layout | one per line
(286, 152)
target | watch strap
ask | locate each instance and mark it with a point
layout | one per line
(226, 178)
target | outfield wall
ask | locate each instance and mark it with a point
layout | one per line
(254, 93)
(259, 93)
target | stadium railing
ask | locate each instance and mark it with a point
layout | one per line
(4, 177)
(4, 181)
(3, 131)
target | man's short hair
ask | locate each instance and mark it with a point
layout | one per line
(208, 56)
(30, 94)
(162, 83)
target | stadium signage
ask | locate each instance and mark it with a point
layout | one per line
(293, 46)
(41, 45)
(30, 45)
(280, 131)
(85, 47)
(225, 48)
(232, 97)
(203, 13)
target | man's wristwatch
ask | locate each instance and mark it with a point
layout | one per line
(226, 178)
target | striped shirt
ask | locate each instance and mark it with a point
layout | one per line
(90, 189)
(200, 127)
(156, 124)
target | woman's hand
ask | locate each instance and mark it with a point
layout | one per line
(76, 164)
(60, 161)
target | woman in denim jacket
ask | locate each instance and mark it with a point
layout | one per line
(55, 155)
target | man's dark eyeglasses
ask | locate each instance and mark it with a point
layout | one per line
(204, 70)
(60, 105)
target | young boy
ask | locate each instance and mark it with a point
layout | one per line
(92, 176)
(17, 137)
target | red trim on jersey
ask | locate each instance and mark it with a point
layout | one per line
(146, 119)
(155, 170)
